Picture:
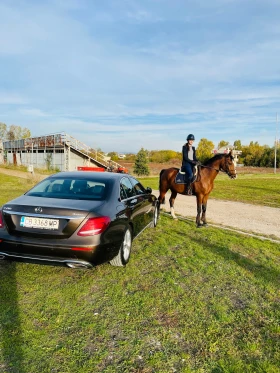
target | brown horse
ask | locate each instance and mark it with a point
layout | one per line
(201, 188)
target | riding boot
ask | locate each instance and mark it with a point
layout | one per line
(189, 188)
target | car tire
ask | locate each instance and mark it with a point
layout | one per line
(122, 258)
(156, 215)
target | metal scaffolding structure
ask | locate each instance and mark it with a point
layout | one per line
(56, 151)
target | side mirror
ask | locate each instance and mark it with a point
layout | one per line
(149, 190)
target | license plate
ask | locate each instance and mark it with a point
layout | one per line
(41, 223)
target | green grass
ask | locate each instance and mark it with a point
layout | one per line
(40, 171)
(259, 189)
(13, 167)
(190, 300)
(11, 187)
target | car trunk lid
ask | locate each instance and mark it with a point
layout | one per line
(36, 217)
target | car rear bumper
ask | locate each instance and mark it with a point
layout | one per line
(79, 257)
(72, 263)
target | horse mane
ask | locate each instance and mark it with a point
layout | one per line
(216, 157)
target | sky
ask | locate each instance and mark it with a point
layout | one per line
(119, 75)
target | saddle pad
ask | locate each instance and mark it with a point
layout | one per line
(180, 178)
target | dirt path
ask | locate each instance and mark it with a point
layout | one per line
(22, 174)
(245, 217)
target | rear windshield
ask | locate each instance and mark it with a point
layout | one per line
(70, 189)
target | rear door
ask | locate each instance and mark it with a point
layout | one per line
(145, 199)
(134, 204)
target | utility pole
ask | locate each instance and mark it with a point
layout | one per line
(276, 143)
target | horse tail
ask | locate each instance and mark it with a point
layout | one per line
(161, 172)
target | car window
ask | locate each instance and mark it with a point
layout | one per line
(69, 189)
(138, 187)
(123, 192)
(126, 189)
(55, 187)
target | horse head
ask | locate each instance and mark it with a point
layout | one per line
(228, 165)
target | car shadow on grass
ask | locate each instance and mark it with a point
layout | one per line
(11, 340)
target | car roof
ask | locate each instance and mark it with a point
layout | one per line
(90, 175)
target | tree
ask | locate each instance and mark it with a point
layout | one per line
(252, 155)
(10, 135)
(141, 163)
(268, 158)
(114, 156)
(3, 131)
(237, 144)
(222, 143)
(25, 133)
(130, 157)
(13, 132)
(204, 149)
(162, 156)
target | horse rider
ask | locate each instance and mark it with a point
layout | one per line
(189, 161)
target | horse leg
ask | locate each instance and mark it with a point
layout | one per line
(204, 208)
(171, 202)
(161, 198)
(198, 204)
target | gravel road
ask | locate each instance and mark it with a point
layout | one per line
(245, 217)
(261, 220)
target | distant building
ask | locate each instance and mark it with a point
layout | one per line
(226, 149)
(58, 151)
(121, 156)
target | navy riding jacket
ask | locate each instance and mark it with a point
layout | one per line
(186, 157)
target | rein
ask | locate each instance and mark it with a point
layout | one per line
(212, 168)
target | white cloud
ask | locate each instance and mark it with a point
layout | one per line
(7, 98)
(131, 70)
(33, 113)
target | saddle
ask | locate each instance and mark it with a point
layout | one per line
(181, 176)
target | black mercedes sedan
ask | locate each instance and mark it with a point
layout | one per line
(79, 219)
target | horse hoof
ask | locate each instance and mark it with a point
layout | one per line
(205, 225)
(199, 226)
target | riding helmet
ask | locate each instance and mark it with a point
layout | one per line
(190, 137)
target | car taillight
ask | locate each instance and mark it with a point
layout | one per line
(94, 226)
(1, 220)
